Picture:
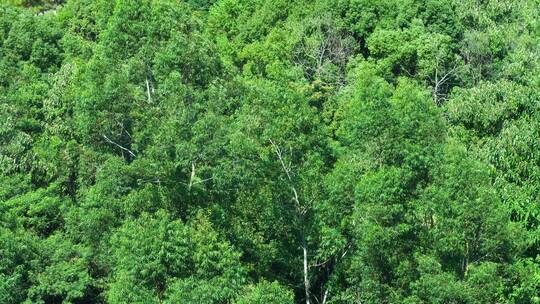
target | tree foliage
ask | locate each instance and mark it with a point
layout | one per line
(253, 151)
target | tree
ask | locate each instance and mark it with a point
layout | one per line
(253, 151)
(266, 292)
(158, 259)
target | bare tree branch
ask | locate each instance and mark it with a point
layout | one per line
(119, 146)
(148, 90)
(193, 176)
(301, 210)
(287, 171)
(325, 297)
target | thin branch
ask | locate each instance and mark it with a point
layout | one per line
(192, 181)
(287, 172)
(122, 127)
(325, 297)
(302, 212)
(202, 181)
(318, 264)
(119, 146)
(321, 263)
(148, 90)
(192, 175)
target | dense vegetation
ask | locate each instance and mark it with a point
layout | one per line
(269, 151)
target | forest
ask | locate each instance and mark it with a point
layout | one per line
(270, 151)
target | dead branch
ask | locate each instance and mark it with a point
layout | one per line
(119, 146)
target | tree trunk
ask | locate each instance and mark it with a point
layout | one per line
(306, 269)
